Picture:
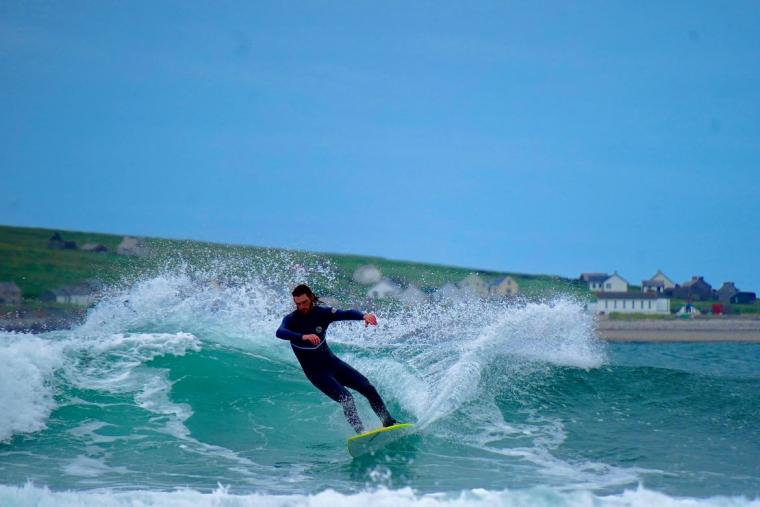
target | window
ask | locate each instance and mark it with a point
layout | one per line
(609, 285)
(624, 304)
(650, 305)
(615, 304)
(605, 304)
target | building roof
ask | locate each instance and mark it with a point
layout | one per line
(660, 273)
(617, 275)
(94, 247)
(628, 295)
(695, 280)
(594, 277)
(386, 282)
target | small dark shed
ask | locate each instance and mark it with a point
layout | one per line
(743, 298)
(56, 242)
(94, 247)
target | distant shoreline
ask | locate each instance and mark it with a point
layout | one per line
(41, 320)
(722, 329)
(745, 329)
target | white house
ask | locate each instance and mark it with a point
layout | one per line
(631, 302)
(367, 274)
(506, 286)
(595, 281)
(658, 283)
(412, 295)
(615, 283)
(474, 284)
(602, 282)
(132, 246)
(657, 286)
(449, 292)
(81, 294)
(385, 288)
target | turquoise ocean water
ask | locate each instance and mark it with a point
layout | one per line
(174, 391)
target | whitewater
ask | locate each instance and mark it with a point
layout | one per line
(175, 391)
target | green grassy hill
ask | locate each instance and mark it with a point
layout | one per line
(26, 259)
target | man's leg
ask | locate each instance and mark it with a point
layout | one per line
(326, 383)
(351, 378)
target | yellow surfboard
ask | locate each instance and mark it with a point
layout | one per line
(371, 441)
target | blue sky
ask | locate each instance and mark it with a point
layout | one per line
(553, 138)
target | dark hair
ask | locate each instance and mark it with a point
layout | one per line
(302, 289)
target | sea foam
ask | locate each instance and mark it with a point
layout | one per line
(33, 366)
(26, 391)
(30, 495)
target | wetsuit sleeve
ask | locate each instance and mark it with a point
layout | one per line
(336, 314)
(286, 334)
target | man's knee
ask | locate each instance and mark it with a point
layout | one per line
(367, 389)
(357, 382)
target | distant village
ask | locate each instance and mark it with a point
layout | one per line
(613, 295)
(79, 294)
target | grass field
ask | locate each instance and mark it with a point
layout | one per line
(26, 259)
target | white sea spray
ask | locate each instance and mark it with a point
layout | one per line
(27, 364)
(30, 495)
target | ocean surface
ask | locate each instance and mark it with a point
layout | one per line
(175, 391)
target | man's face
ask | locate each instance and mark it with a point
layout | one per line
(304, 304)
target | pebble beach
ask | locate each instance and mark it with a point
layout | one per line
(714, 329)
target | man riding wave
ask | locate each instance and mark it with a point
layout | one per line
(306, 328)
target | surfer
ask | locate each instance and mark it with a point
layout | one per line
(305, 328)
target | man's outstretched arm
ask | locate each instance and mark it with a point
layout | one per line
(368, 318)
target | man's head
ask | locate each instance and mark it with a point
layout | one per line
(304, 298)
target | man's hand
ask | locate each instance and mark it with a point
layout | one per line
(312, 338)
(369, 318)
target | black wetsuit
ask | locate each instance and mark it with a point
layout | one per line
(323, 368)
